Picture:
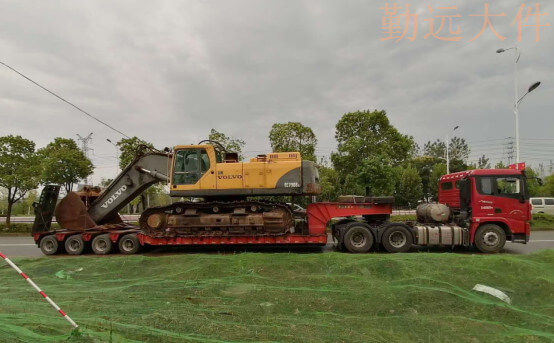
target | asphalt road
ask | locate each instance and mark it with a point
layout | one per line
(23, 246)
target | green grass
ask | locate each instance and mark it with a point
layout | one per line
(542, 221)
(282, 297)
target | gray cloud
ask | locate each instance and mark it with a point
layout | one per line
(170, 71)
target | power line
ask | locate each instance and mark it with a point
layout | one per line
(64, 100)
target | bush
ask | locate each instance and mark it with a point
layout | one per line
(542, 221)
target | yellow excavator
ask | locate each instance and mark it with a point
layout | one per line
(227, 186)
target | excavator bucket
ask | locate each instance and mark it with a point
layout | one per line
(71, 213)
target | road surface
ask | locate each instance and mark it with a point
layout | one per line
(24, 246)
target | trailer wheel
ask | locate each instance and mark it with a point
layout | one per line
(397, 238)
(358, 238)
(489, 238)
(102, 244)
(74, 245)
(129, 244)
(49, 245)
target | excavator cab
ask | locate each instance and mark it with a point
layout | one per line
(208, 170)
(190, 165)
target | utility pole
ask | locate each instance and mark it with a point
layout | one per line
(85, 148)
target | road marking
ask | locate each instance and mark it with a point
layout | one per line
(11, 245)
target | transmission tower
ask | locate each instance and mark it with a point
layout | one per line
(509, 149)
(85, 148)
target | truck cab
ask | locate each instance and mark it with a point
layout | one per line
(489, 198)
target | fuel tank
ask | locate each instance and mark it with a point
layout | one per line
(433, 213)
(441, 235)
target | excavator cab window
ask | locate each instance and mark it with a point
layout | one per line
(190, 165)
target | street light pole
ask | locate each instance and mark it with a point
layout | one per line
(516, 110)
(517, 100)
(447, 147)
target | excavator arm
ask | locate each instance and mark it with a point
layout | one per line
(141, 173)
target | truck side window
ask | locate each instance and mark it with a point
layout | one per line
(446, 186)
(507, 186)
(549, 201)
(485, 185)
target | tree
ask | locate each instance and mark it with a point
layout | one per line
(533, 187)
(64, 163)
(293, 136)
(547, 188)
(376, 175)
(329, 181)
(130, 148)
(439, 170)
(19, 169)
(458, 152)
(364, 134)
(230, 144)
(409, 189)
(483, 163)
(424, 166)
(500, 165)
(363, 138)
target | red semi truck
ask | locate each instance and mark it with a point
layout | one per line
(480, 208)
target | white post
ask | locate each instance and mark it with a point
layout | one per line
(447, 157)
(516, 109)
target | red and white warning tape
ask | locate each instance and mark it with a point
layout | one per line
(39, 290)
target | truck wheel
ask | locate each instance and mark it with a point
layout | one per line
(74, 245)
(358, 238)
(129, 244)
(397, 239)
(49, 245)
(102, 244)
(489, 238)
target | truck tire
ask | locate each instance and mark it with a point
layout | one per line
(74, 245)
(49, 245)
(357, 238)
(102, 244)
(129, 244)
(489, 238)
(397, 238)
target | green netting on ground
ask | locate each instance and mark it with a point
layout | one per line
(281, 297)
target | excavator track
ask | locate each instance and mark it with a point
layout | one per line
(240, 218)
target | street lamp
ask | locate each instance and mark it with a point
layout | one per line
(516, 99)
(447, 147)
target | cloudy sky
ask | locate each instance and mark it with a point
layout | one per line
(169, 71)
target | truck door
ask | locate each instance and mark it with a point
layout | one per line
(502, 197)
